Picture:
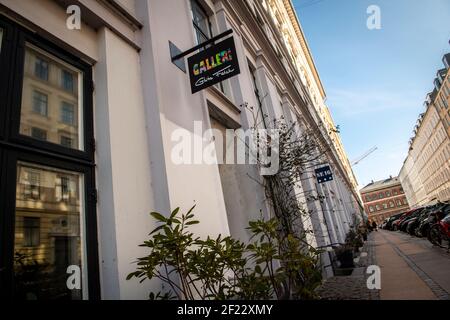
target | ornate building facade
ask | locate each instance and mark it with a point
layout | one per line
(383, 199)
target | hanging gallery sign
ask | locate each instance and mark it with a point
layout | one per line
(213, 65)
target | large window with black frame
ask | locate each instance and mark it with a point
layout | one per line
(48, 197)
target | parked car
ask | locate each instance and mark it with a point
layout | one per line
(424, 224)
(404, 223)
(414, 222)
(434, 214)
(396, 224)
(391, 219)
(412, 225)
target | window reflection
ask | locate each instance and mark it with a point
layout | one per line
(49, 246)
(51, 100)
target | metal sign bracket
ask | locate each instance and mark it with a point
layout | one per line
(176, 55)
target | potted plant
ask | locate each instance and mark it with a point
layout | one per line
(344, 255)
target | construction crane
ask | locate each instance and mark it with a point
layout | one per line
(365, 155)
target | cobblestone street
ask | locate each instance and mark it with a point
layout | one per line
(411, 268)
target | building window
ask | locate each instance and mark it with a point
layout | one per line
(39, 134)
(64, 231)
(67, 113)
(405, 202)
(200, 20)
(385, 206)
(381, 195)
(399, 203)
(67, 80)
(391, 204)
(258, 97)
(63, 189)
(31, 186)
(371, 209)
(40, 103)
(378, 207)
(47, 234)
(444, 101)
(388, 194)
(31, 232)
(66, 142)
(41, 69)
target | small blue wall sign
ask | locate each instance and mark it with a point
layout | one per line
(324, 174)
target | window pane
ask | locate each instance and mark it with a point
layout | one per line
(201, 22)
(39, 134)
(67, 80)
(31, 231)
(40, 103)
(49, 246)
(66, 142)
(67, 113)
(51, 89)
(41, 68)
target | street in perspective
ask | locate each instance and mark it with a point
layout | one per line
(236, 151)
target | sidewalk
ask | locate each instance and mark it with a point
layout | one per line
(353, 287)
(398, 280)
(411, 269)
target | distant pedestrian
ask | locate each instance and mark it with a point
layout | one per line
(374, 226)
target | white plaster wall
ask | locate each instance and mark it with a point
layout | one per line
(52, 18)
(123, 166)
(129, 5)
(187, 184)
(245, 196)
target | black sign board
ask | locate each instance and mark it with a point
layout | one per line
(324, 174)
(213, 65)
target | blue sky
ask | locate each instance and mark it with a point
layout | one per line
(376, 80)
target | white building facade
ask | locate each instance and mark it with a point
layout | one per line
(79, 193)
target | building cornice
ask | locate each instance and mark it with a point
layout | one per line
(363, 192)
(301, 37)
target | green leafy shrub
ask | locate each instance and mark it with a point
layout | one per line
(354, 240)
(270, 267)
